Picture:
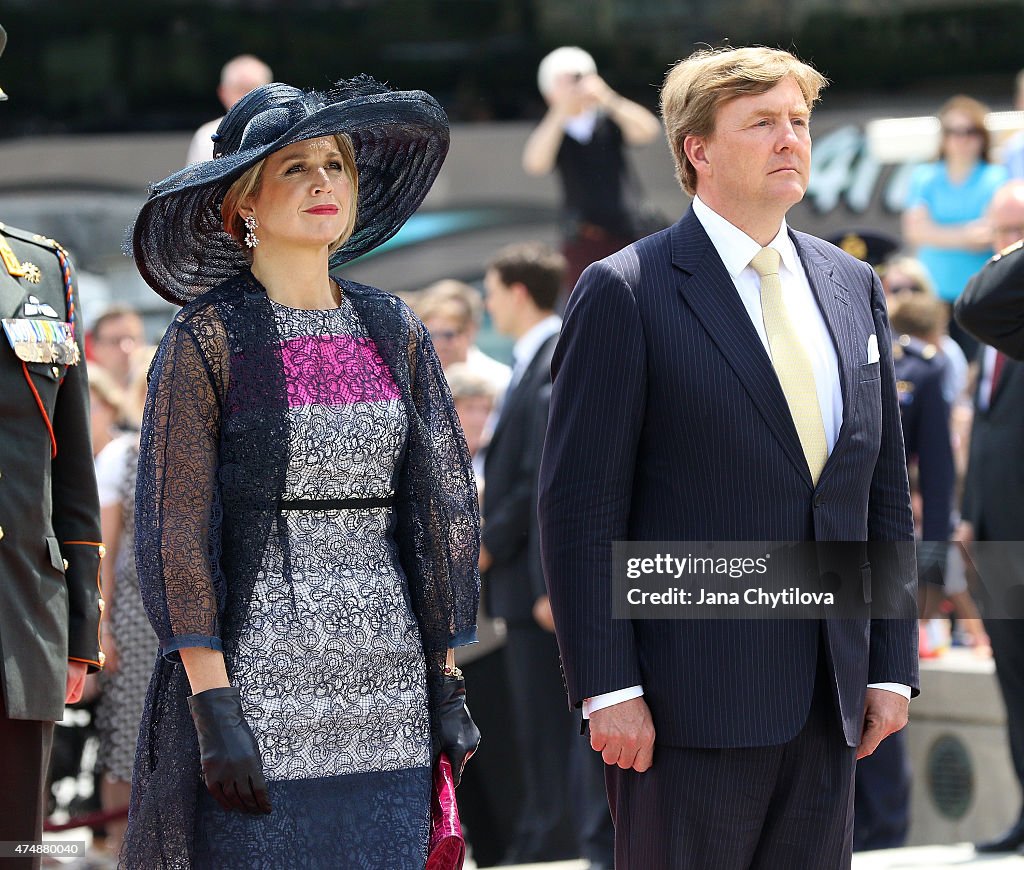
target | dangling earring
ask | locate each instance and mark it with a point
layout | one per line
(250, 226)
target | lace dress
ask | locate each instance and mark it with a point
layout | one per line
(330, 663)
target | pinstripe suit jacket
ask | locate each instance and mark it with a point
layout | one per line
(668, 423)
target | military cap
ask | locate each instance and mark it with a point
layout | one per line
(872, 246)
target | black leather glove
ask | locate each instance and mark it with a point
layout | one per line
(231, 759)
(457, 733)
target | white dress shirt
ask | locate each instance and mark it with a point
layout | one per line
(736, 249)
(497, 373)
(581, 127)
(523, 352)
(988, 368)
(529, 343)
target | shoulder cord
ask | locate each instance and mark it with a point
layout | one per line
(69, 297)
(69, 292)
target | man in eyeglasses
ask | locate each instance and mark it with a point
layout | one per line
(114, 336)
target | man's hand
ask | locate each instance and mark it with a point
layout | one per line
(542, 613)
(964, 533)
(885, 713)
(624, 734)
(76, 682)
(595, 89)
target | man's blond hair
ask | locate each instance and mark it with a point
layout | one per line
(696, 87)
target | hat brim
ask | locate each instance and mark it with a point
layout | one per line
(400, 140)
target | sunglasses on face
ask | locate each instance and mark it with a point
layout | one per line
(445, 334)
(962, 132)
(897, 289)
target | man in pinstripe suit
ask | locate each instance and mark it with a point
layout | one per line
(728, 379)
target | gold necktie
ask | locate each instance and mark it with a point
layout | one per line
(791, 363)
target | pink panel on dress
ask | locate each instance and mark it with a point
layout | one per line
(335, 370)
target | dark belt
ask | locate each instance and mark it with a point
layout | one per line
(334, 504)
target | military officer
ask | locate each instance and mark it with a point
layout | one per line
(50, 547)
(992, 309)
(992, 306)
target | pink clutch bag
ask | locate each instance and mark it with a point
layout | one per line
(447, 848)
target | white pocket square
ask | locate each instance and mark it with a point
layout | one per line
(872, 349)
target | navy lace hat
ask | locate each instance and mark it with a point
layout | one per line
(400, 140)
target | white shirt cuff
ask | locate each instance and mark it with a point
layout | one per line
(599, 702)
(898, 688)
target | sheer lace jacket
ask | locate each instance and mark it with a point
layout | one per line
(211, 473)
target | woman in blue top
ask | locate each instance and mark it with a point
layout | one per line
(947, 201)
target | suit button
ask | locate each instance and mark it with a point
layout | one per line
(818, 499)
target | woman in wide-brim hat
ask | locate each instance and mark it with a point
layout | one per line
(307, 531)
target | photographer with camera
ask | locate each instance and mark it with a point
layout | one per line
(582, 136)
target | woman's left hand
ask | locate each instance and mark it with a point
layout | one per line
(458, 735)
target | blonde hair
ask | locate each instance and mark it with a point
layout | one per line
(696, 87)
(247, 185)
(454, 299)
(913, 269)
(466, 383)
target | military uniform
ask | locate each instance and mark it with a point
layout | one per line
(991, 307)
(50, 547)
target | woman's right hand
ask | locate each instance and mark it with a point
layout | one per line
(232, 766)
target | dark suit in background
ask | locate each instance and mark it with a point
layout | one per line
(993, 490)
(513, 583)
(49, 525)
(991, 307)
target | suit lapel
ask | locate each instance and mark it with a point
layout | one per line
(834, 303)
(711, 294)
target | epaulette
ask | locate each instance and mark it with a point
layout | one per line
(1008, 250)
(31, 238)
(31, 271)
